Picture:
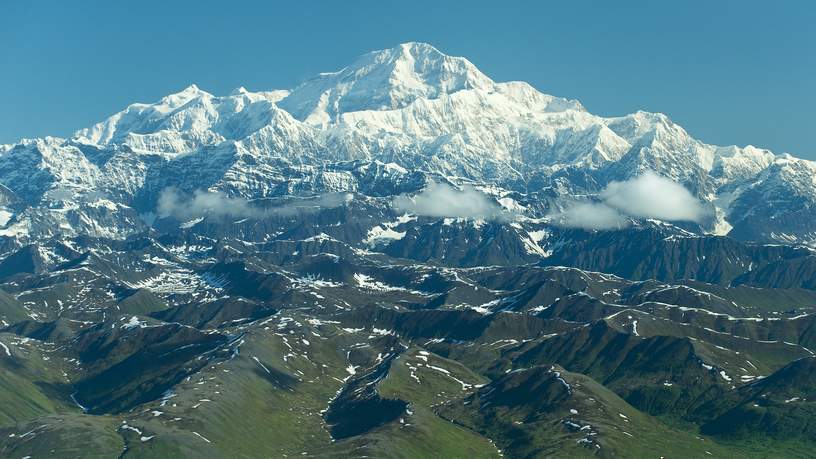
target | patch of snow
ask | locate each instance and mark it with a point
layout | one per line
(191, 223)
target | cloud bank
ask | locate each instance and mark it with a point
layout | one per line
(441, 200)
(653, 196)
(590, 215)
(645, 196)
(183, 206)
(173, 203)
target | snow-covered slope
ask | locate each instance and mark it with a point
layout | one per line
(185, 121)
(411, 107)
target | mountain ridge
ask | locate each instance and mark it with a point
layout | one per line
(412, 106)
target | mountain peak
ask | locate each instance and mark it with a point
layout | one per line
(412, 48)
(383, 80)
(138, 117)
(182, 97)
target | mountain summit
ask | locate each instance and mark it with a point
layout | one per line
(384, 80)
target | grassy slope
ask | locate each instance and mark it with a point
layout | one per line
(424, 434)
(272, 407)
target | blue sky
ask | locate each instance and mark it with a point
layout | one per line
(730, 72)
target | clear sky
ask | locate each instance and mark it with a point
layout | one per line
(731, 72)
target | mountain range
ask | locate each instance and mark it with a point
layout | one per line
(403, 258)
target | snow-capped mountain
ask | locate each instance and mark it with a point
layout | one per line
(391, 113)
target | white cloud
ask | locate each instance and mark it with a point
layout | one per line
(202, 203)
(646, 196)
(653, 196)
(440, 200)
(182, 206)
(590, 215)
